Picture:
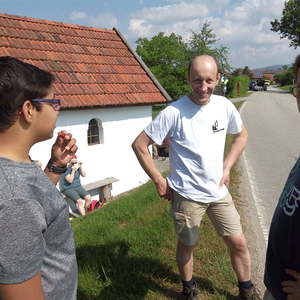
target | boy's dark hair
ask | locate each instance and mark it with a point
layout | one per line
(297, 64)
(19, 82)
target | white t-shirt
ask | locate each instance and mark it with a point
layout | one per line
(196, 135)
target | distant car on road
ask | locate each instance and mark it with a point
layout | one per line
(258, 85)
(262, 84)
(252, 85)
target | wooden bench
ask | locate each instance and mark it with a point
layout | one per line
(103, 187)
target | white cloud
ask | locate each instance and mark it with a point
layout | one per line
(242, 25)
(104, 20)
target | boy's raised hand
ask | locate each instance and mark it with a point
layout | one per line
(63, 149)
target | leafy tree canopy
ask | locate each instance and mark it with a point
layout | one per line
(286, 77)
(168, 56)
(289, 24)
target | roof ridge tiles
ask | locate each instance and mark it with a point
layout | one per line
(55, 23)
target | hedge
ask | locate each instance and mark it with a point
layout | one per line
(238, 86)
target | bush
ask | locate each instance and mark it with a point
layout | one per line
(286, 77)
(238, 86)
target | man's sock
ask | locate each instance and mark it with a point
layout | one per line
(188, 283)
(245, 284)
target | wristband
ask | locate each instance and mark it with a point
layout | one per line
(55, 169)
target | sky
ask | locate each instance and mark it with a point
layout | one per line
(241, 25)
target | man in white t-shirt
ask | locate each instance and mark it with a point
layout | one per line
(195, 127)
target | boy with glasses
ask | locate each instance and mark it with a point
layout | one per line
(37, 255)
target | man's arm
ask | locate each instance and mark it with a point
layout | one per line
(27, 290)
(140, 147)
(61, 153)
(237, 147)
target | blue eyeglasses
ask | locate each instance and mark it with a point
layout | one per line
(55, 103)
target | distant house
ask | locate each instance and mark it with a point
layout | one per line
(266, 74)
(106, 90)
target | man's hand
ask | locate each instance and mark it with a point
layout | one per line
(163, 189)
(63, 149)
(226, 178)
(292, 287)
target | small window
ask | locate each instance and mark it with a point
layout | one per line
(95, 132)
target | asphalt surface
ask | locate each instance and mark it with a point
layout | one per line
(271, 119)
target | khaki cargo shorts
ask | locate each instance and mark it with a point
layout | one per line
(187, 216)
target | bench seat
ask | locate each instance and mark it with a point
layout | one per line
(104, 187)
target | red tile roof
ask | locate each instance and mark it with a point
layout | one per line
(93, 66)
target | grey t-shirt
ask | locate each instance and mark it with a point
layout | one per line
(35, 232)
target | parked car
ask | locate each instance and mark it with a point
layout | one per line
(262, 84)
(252, 85)
(258, 85)
(267, 82)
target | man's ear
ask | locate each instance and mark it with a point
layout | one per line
(28, 111)
(218, 77)
(188, 78)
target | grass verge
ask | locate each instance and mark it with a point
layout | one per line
(126, 250)
(286, 87)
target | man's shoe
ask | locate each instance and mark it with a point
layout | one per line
(191, 293)
(248, 294)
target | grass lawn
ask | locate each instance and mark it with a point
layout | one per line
(286, 87)
(126, 250)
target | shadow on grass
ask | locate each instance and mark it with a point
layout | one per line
(118, 274)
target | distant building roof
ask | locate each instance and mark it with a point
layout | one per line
(93, 67)
(260, 73)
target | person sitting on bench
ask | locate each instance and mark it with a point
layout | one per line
(70, 185)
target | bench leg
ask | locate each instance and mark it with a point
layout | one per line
(105, 193)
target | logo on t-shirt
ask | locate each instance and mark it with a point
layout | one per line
(290, 201)
(290, 197)
(215, 127)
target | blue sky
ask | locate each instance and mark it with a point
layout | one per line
(241, 25)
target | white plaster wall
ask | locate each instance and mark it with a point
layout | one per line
(113, 158)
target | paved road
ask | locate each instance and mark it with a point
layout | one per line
(272, 121)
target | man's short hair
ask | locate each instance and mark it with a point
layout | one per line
(297, 64)
(192, 60)
(20, 81)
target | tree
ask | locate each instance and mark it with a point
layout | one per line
(237, 72)
(289, 24)
(168, 56)
(203, 43)
(286, 77)
(247, 71)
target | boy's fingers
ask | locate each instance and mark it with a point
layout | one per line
(293, 273)
(68, 143)
(71, 145)
(288, 283)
